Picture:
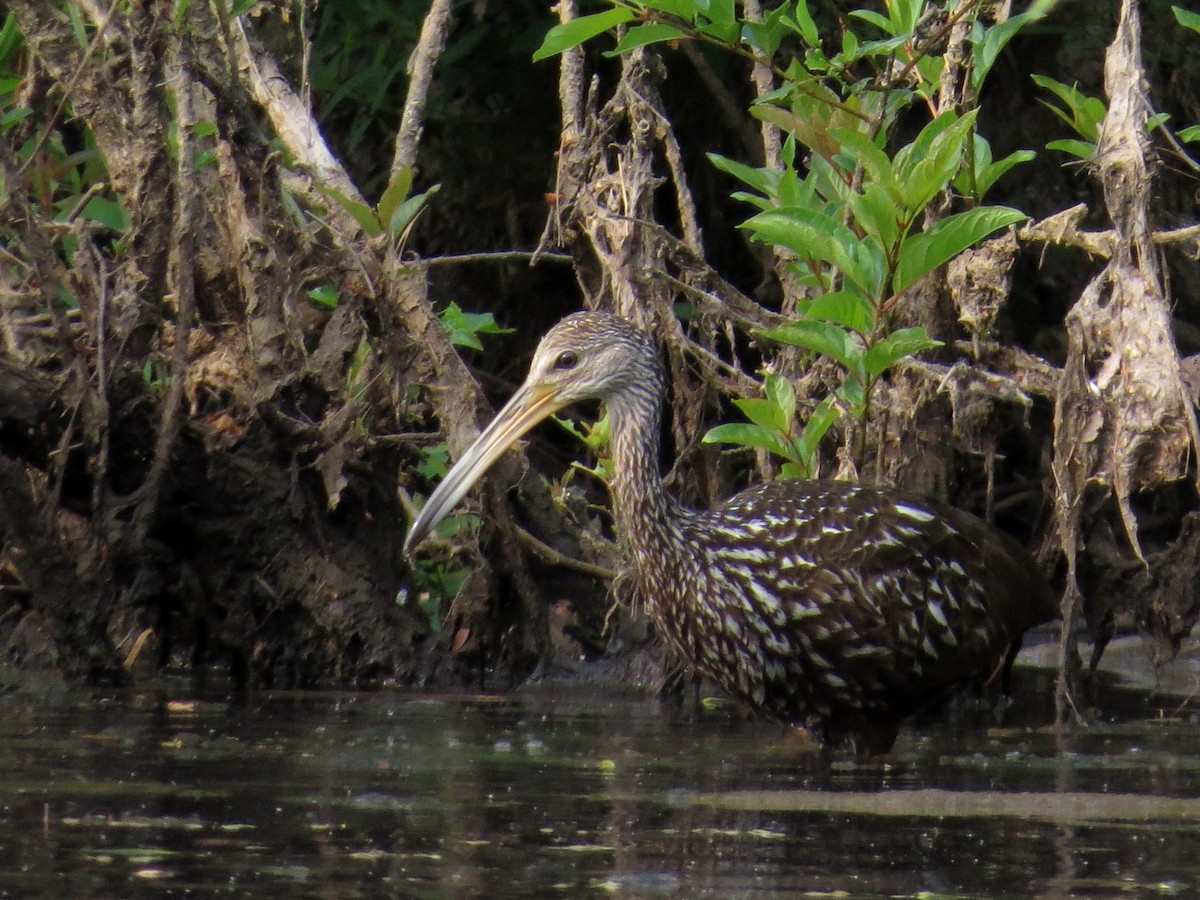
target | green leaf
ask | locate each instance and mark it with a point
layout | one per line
(13, 116)
(763, 37)
(897, 346)
(825, 338)
(1187, 19)
(765, 181)
(360, 212)
(724, 32)
(757, 437)
(987, 47)
(463, 328)
(717, 10)
(684, 9)
(815, 236)
(1189, 134)
(928, 164)
(577, 31)
(846, 308)
(815, 428)
(876, 212)
(407, 211)
(1081, 149)
(326, 295)
(643, 35)
(879, 21)
(762, 412)
(985, 173)
(860, 150)
(394, 194)
(920, 254)
(1083, 113)
(804, 24)
(782, 394)
(107, 213)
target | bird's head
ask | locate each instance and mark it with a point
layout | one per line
(586, 356)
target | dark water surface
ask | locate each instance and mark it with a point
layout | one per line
(570, 793)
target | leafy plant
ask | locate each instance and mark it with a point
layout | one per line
(396, 211)
(851, 215)
(595, 436)
(1083, 113)
(771, 424)
(464, 328)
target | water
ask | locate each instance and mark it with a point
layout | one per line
(572, 793)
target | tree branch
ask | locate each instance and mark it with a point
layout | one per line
(420, 72)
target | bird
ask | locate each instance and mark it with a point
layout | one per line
(831, 605)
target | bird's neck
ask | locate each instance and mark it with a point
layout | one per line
(646, 514)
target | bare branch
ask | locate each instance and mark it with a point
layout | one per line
(420, 72)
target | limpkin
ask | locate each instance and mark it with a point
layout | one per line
(840, 607)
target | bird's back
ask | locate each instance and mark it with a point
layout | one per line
(822, 602)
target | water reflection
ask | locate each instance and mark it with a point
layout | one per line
(562, 793)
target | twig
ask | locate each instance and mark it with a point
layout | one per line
(548, 554)
(420, 71)
(531, 256)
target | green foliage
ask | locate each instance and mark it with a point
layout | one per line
(1083, 113)
(771, 427)
(595, 436)
(1187, 19)
(396, 211)
(326, 295)
(359, 52)
(851, 213)
(440, 578)
(464, 328)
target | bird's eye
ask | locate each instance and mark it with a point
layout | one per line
(568, 359)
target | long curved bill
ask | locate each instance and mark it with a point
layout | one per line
(528, 406)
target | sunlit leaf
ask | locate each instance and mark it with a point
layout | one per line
(804, 24)
(847, 308)
(1187, 19)
(896, 346)
(326, 295)
(685, 9)
(407, 211)
(644, 35)
(813, 235)
(920, 254)
(762, 412)
(987, 46)
(782, 394)
(825, 338)
(395, 193)
(757, 437)
(815, 429)
(464, 328)
(571, 34)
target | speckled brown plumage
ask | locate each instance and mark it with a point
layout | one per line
(829, 604)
